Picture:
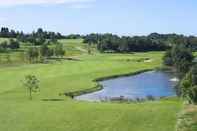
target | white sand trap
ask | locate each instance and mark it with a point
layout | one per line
(148, 60)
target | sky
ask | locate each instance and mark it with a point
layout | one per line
(122, 17)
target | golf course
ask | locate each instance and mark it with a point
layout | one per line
(98, 65)
(51, 110)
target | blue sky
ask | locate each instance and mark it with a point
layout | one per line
(123, 17)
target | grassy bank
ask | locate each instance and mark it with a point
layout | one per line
(188, 119)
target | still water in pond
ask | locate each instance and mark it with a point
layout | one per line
(153, 83)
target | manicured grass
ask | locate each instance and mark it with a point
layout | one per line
(17, 113)
(74, 46)
(82, 116)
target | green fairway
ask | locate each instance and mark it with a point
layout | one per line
(79, 116)
(18, 113)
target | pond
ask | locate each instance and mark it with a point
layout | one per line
(156, 84)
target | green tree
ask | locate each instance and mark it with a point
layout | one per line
(180, 57)
(44, 50)
(32, 54)
(13, 44)
(31, 83)
(4, 46)
(167, 59)
(189, 86)
(59, 50)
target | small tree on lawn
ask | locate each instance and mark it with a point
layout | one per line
(32, 84)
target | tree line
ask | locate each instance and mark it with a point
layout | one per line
(152, 42)
(10, 33)
(181, 58)
(39, 33)
(106, 42)
(9, 45)
(40, 54)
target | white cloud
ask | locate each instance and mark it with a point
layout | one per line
(38, 2)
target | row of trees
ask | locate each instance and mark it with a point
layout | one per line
(152, 42)
(74, 36)
(11, 44)
(39, 37)
(181, 58)
(40, 54)
(39, 33)
(7, 33)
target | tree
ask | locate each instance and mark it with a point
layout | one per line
(167, 59)
(3, 47)
(44, 50)
(189, 86)
(180, 57)
(13, 44)
(32, 84)
(32, 54)
(59, 50)
(110, 42)
(39, 40)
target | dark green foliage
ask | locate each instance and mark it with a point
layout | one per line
(180, 57)
(189, 86)
(6, 33)
(167, 59)
(14, 44)
(110, 42)
(152, 42)
(73, 36)
(35, 38)
(3, 47)
(194, 74)
(32, 84)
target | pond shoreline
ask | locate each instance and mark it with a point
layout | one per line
(99, 87)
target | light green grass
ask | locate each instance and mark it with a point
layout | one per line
(82, 116)
(17, 113)
(74, 47)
